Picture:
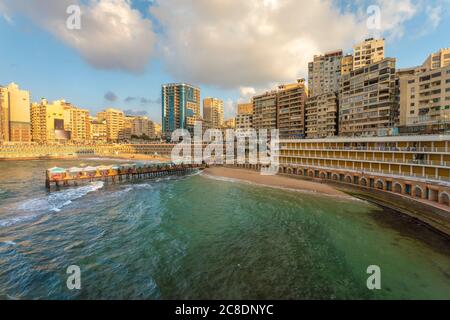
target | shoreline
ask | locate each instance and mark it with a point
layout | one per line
(429, 216)
(276, 181)
(124, 156)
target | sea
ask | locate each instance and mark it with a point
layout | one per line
(202, 237)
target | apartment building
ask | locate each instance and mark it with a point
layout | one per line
(265, 110)
(321, 113)
(324, 73)
(245, 108)
(425, 98)
(368, 52)
(291, 99)
(180, 107)
(368, 103)
(98, 130)
(79, 125)
(115, 123)
(143, 127)
(213, 112)
(15, 117)
(346, 64)
(438, 59)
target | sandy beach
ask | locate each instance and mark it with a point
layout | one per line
(273, 181)
(133, 156)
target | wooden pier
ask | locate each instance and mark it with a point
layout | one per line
(60, 177)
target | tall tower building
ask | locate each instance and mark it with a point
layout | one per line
(265, 110)
(322, 107)
(180, 107)
(369, 100)
(324, 73)
(213, 112)
(368, 52)
(291, 99)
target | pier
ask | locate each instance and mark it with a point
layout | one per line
(64, 177)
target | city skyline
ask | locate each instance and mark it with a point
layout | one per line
(62, 71)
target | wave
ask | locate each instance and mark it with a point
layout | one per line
(51, 203)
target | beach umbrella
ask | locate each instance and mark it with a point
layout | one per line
(102, 168)
(90, 169)
(57, 170)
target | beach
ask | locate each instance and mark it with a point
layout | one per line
(273, 181)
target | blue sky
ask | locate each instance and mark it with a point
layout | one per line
(229, 67)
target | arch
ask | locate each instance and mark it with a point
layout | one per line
(334, 176)
(311, 173)
(444, 198)
(418, 192)
(299, 172)
(348, 179)
(294, 171)
(289, 170)
(398, 188)
(364, 182)
(379, 184)
(323, 175)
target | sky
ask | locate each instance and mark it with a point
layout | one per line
(124, 50)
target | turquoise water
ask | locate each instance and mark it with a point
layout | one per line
(198, 237)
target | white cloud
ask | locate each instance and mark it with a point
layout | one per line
(229, 43)
(112, 34)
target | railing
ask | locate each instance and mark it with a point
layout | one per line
(362, 149)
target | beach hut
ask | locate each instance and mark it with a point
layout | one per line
(90, 171)
(103, 170)
(56, 173)
(75, 172)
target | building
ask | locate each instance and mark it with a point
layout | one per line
(245, 108)
(51, 122)
(438, 60)
(157, 130)
(244, 121)
(413, 166)
(213, 112)
(79, 125)
(230, 123)
(291, 100)
(98, 130)
(115, 123)
(265, 110)
(425, 100)
(143, 127)
(368, 102)
(346, 64)
(15, 114)
(180, 107)
(324, 73)
(321, 113)
(368, 52)
(4, 115)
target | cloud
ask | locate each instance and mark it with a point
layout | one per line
(130, 99)
(230, 43)
(131, 112)
(142, 100)
(113, 35)
(110, 96)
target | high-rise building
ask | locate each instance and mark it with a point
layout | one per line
(425, 98)
(291, 100)
(180, 107)
(158, 130)
(324, 73)
(368, 52)
(79, 125)
(265, 110)
(437, 60)
(245, 108)
(115, 123)
(230, 123)
(15, 114)
(368, 103)
(244, 121)
(322, 115)
(213, 112)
